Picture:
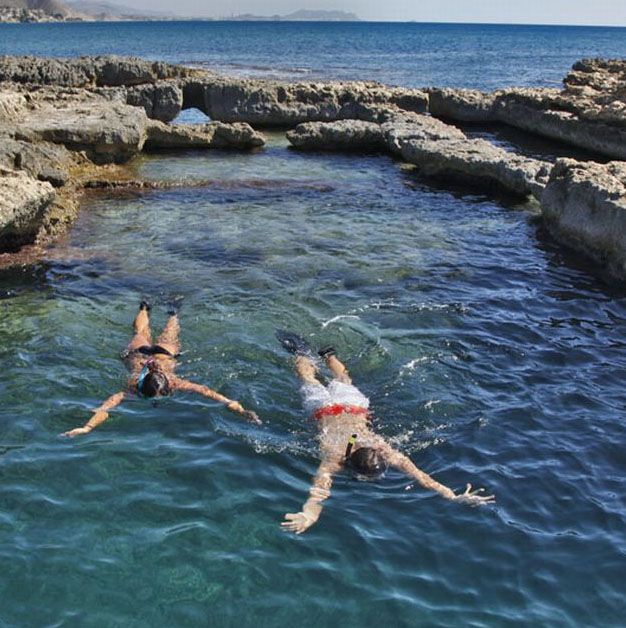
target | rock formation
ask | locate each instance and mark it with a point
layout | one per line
(23, 203)
(61, 119)
(213, 135)
(590, 112)
(437, 149)
(584, 206)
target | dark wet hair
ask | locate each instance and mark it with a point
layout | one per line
(155, 384)
(368, 461)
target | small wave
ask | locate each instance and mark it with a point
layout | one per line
(340, 317)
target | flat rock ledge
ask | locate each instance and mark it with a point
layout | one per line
(437, 149)
(213, 135)
(589, 112)
(584, 206)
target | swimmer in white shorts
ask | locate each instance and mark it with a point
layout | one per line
(342, 414)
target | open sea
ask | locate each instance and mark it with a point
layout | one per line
(491, 355)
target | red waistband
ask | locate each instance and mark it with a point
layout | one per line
(338, 409)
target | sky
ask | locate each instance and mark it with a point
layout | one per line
(601, 12)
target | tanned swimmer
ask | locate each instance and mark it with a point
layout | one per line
(152, 374)
(346, 438)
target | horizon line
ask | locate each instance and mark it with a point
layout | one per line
(206, 18)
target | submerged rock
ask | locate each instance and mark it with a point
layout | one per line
(584, 206)
(213, 135)
(23, 204)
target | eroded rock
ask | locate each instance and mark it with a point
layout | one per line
(584, 206)
(269, 103)
(213, 135)
(98, 71)
(162, 101)
(438, 149)
(345, 135)
(23, 204)
(107, 131)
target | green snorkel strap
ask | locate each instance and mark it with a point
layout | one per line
(351, 443)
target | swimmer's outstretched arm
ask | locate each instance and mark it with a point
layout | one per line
(100, 415)
(299, 522)
(205, 391)
(405, 464)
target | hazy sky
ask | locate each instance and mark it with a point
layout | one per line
(610, 12)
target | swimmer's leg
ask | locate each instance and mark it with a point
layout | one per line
(306, 369)
(169, 338)
(141, 326)
(336, 366)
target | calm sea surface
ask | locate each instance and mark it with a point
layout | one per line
(490, 354)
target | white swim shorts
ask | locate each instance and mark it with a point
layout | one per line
(317, 396)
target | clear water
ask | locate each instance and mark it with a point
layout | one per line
(489, 356)
(479, 56)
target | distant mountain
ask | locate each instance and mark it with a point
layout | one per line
(50, 7)
(321, 16)
(99, 8)
(303, 15)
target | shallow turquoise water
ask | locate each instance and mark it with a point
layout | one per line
(489, 354)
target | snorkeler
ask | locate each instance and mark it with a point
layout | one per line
(152, 368)
(346, 439)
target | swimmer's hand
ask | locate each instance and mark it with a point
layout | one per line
(77, 431)
(472, 498)
(297, 522)
(253, 417)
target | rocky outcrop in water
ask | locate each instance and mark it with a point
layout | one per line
(102, 71)
(23, 204)
(437, 149)
(270, 103)
(584, 206)
(345, 135)
(590, 112)
(213, 135)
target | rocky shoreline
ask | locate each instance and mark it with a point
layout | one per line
(63, 123)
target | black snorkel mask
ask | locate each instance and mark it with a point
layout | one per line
(367, 463)
(142, 378)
